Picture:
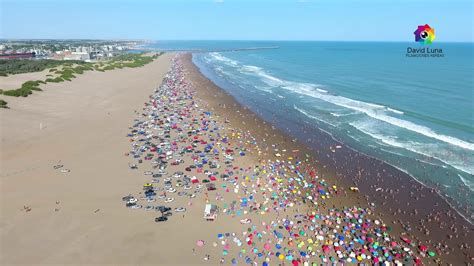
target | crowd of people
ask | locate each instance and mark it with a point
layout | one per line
(284, 206)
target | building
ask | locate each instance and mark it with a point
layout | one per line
(83, 56)
(17, 55)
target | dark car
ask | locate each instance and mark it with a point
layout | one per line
(161, 219)
(150, 193)
(130, 204)
(163, 208)
(210, 186)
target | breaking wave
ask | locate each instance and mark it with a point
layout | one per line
(466, 182)
(312, 116)
(426, 149)
(375, 111)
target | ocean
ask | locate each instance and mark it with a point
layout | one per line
(414, 113)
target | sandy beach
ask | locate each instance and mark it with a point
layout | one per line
(274, 198)
(81, 124)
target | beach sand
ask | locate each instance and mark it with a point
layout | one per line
(81, 124)
(78, 217)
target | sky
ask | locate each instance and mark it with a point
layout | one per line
(324, 20)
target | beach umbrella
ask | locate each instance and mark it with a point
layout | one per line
(326, 249)
(200, 243)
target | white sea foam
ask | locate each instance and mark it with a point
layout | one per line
(312, 116)
(377, 112)
(392, 152)
(251, 68)
(467, 183)
(394, 111)
(436, 151)
(384, 139)
(224, 59)
(341, 115)
(264, 88)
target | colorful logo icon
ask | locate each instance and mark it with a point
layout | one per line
(424, 34)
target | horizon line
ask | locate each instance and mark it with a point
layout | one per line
(235, 40)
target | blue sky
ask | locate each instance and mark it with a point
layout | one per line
(352, 20)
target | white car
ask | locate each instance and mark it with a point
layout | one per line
(132, 200)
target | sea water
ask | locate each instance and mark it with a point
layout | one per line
(415, 113)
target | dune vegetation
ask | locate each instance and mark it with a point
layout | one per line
(61, 71)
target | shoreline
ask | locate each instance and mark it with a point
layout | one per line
(433, 171)
(401, 207)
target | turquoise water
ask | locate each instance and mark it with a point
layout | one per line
(414, 113)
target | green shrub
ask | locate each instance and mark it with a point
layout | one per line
(79, 70)
(55, 80)
(18, 66)
(67, 76)
(3, 104)
(18, 93)
(26, 89)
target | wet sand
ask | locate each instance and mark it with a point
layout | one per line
(412, 209)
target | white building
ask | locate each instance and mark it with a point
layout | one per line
(77, 56)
